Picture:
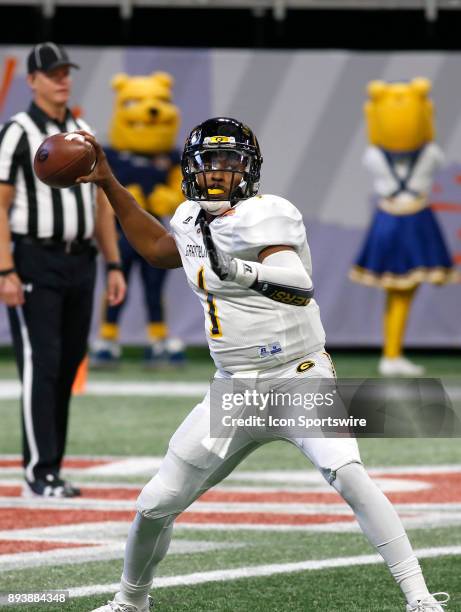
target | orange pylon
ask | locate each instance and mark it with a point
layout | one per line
(79, 386)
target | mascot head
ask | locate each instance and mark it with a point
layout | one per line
(399, 116)
(144, 120)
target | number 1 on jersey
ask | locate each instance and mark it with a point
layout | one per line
(215, 327)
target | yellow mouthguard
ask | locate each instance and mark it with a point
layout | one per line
(215, 191)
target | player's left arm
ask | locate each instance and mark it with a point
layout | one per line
(279, 274)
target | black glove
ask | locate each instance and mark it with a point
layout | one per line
(223, 265)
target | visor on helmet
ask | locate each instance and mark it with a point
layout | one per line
(220, 160)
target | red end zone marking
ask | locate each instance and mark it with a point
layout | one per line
(116, 493)
(220, 496)
(271, 497)
(121, 494)
(262, 518)
(23, 518)
(11, 547)
(10, 491)
(86, 463)
(444, 488)
(68, 463)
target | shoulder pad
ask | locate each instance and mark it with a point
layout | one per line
(265, 221)
(185, 215)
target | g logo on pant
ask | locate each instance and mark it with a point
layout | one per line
(305, 365)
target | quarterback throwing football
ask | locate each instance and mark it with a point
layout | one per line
(247, 259)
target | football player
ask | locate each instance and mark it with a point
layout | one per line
(247, 259)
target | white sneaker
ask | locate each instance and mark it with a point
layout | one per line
(399, 366)
(429, 603)
(116, 606)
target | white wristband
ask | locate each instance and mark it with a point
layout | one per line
(244, 273)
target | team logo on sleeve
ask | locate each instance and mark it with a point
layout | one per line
(305, 365)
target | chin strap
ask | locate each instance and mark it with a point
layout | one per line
(296, 288)
(215, 208)
(218, 207)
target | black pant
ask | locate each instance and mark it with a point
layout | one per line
(50, 333)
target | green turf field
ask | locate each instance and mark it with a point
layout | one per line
(227, 557)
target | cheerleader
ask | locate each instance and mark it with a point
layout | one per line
(404, 246)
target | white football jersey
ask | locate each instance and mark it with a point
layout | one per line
(245, 330)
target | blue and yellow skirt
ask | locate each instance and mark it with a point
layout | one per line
(402, 251)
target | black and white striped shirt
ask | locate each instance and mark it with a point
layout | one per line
(38, 210)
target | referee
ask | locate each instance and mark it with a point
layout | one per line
(47, 268)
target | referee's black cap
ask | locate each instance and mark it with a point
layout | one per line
(47, 56)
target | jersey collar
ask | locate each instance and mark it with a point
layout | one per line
(41, 118)
(201, 215)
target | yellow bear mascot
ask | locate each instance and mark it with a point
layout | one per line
(142, 154)
(404, 245)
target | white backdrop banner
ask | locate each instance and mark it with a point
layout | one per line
(306, 109)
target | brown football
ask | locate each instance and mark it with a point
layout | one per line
(61, 159)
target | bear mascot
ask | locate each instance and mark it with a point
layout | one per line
(143, 157)
(404, 246)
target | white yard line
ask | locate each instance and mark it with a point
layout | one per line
(198, 506)
(421, 521)
(11, 389)
(230, 507)
(147, 465)
(262, 570)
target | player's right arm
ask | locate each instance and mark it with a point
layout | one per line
(147, 235)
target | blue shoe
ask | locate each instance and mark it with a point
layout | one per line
(105, 354)
(165, 353)
(155, 355)
(175, 351)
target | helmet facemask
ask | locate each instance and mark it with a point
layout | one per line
(220, 176)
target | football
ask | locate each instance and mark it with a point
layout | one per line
(62, 158)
